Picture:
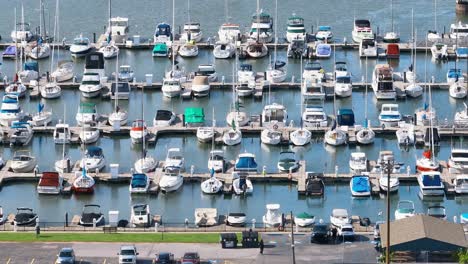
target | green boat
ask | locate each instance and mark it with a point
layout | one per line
(160, 50)
(194, 116)
(304, 219)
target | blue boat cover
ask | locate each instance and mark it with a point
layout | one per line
(431, 180)
(163, 29)
(454, 73)
(139, 180)
(31, 66)
(345, 117)
(246, 163)
(360, 184)
(10, 51)
(19, 124)
(464, 215)
(94, 151)
(389, 116)
(462, 50)
(324, 28)
(323, 49)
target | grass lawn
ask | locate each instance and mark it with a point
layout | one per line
(119, 237)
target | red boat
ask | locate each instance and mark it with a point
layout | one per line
(83, 183)
(426, 163)
(393, 51)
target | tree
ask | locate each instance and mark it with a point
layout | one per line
(382, 258)
(462, 256)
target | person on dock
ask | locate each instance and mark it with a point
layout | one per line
(262, 246)
(334, 233)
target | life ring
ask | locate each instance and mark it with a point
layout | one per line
(275, 126)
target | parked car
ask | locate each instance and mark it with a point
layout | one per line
(66, 256)
(191, 257)
(320, 233)
(128, 255)
(164, 258)
(346, 231)
(377, 229)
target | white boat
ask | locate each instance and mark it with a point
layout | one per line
(174, 159)
(431, 184)
(389, 115)
(205, 134)
(40, 51)
(241, 183)
(109, 51)
(16, 88)
(405, 134)
(207, 70)
(365, 135)
(256, 50)
(236, 219)
(262, 27)
(360, 185)
(145, 164)
(91, 85)
(62, 134)
(245, 73)
(188, 49)
(343, 84)
(405, 209)
(126, 74)
(232, 137)
(120, 91)
(313, 70)
(287, 162)
(87, 114)
(92, 215)
(392, 36)
(22, 32)
(138, 131)
(29, 73)
(172, 180)
(358, 162)
(427, 162)
(297, 48)
(461, 184)
(304, 219)
(89, 134)
(50, 183)
(274, 115)
(458, 90)
(93, 160)
(314, 116)
(10, 110)
(216, 161)
(277, 72)
(394, 183)
(414, 90)
(439, 51)
(191, 32)
(273, 216)
(224, 50)
(211, 186)
(324, 33)
(140, 215)
(384, 157)
(339, 217)
(139, 183)
(163, 34)
(460, 119)
(312, 89)
(458, 160)
(437, 211)
(118, 29)
(300, 137)
(295, 28)
(200, 86)
(459, 30)
(335, 137)
(229, 32)
(164, 118)
(206, 217)
(362, 30)
(50, 90)
(171, 87)
(42, 117)
(118, 116)
(270, 136)
(81, 47)
(21, 133)
(382, 82)
(64, 72)
(23, 161)
(323, 50)
(238, 117)
(83, 183)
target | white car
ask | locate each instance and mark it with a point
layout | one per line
(346, 231)
(128, 254)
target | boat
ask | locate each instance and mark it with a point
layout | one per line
(324, 33)
(455, 75)
(304, 219)
(382, 82)
(427, 162)
(461, 184)
(229, 32)
(458, 160)
(62, 134)
(295, 28)
(312, 89)
(405, 134)
(339, 217)
(139, 183)
(216, 161)
(118, 29)
(162, 34)
(200, 86)
(314, 184)
(40, 51)
(437, 211)
(16, 88)
(120, 90)
(81, 46)
(50, 90)
(313, 70)
(241, 183)
(42, 117)
(389, 115)
(25, 217)
(188, 49)
(205, 134)
(433, 35)
(29, 73)
(87, 114)
(160, 50)
(119, 116)
(171, 180)
(458, 30)
(256, 50)
(140, 215)
(246, 162)
(89, 134)
(109, 51)
(93, 160)
(358, 162)
(386, 156)
(277, 72)
(10, 52)
(365, 135)
(22, 32)
(404, 209)
(335, 136)
(206, 217)
(460, 119)
(300, 137)
(191, 32)
(270, 136)
(50, 183)
(360, 185)
(323, 50)
(362, 30)
(232, 137)
(174, 159)
(23, 161)
(83, 183)
(297, 49)
(212, 185)
(431, 184)
(126, 74)
(236, 219)
(90, 85)
(288, 162)
(164, 118)
(458, 90)
(413, 90)
(245, 73)
(64, 72)
(439, 51)
(394, 183)
(207, 70)
(245, 89)
(262, 26)
(273, 216)
(343, 84)
(224, 50)
(461, 52)
(194, 116)
(393, 51)
(138, 131)
(314, 116)
(392, 36)
(171, 87)
(22, 133)
(92, 216)
(145, 164)
(368, 48)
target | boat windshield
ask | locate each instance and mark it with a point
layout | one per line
(343, 79)
(314, 117)
(140, 210)
(460, 30)
(459, 154)
(81, 41)
(21, 158)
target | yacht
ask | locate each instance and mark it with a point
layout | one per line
(89, 134)
(40, 51)
(139, 183)
(90, 85)
(29, 73)
(171, 87)
(216, 161)
(245, 73)
(172, 180)
(270, 136)
(62, 134)
(461, 184)
(405, 134)
(360, 185)
(145, 164)
(427, 162)
(207, 70)
(205, 217)
(95, 63)
(42, 117)
(22, 32)
(10, 110)
(246, 162)
(188, 50)
(384, 157)
(120, 90)
(274, 115)
(191, 32)
(297, 48)
(312, 89)
(300, 137)
(22, 133)
(339, 217)
(93, 160)
(314, 184)
(262, 27)
(109, 51)
(439, 51)
(277, 72)
(163, 34)
(232, 137)
(458, 160)
(138, 131)
(295, 28)
(161, 50)
(394, 183)
(174, 159)
(273, 216)
(140, 215)
(229, 33)
(23, 161)
(205, 134)
(64, 72)
(368, 48)
(365, 135)
(256, 50)
(304, 219)
(405, 209)
(50, 183)
(460, 119)
(335, 136)
(92, 215)
(81, 47)
(362, 30)
(323, 51)
(343, 84)
(224, 50)
(25, 217)
(241, 183)
(431, 184)
(118, 116)
(459, 30)
(314, 116)
(313, 70)
(382, 82)
(87, 114)
(389, 115)
(288, 162)
(200, 86)
(212, 185)
(358, 162)
(324, 33)
(458, 90)
(16, 88)
(83, 183)
(119, 29)
(164, 118)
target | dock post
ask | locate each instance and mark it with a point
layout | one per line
(186, 224)
(455, 219)
(66, 219)
(15, 227)
(264, 171)
(336, 171)
(293, 78)
(94, 222)
(253, 223)
(408, 170)
(222, 80)
(156, 227)
(192, 170)
(94, 37)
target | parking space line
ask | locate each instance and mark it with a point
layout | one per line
(8, 261)
(80, 261)
(32, 261)
(104, 261)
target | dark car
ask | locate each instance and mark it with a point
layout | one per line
(191, 257)
(320, 233)
(164, 258)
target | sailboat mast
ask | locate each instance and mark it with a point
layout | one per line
(64, 116)
(40, 18)
(258, 20)
(226, 10)
(116, 83)
(110, 15)
(391, 7)
(16, 45)
(54, 34)
(173, 25)
(435, 15)
(365, 107)
(276, 27)
(143, 121)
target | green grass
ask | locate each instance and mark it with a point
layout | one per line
(118, 237)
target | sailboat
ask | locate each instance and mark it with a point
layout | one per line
(42, 118)
(63, 165)
(146, 163)
(426, 114)
(392, 36)
(236, 116)
(118, 116)
(277, 71)
(41, 50)
(335, 136)
(110, 50)
(191, 35)
(213, 185)
(433, 35)
(366, 135)
(16, 87)
(457, 89)
(413, 89)
(64, 69)
(256, 47)
(301, 136)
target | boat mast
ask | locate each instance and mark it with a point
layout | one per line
(116, 102)
(57, 17)
(64, 116)
(276, 29)
(22, 28)
(16, 46)
(391, 7)
(226, 14)
(43, 29)
(435, 15)
(412, 39)
(365, 107)
(258, 20)
(143, 122)
(302, 96)
(173, 25)
(189, 35)
(110, 15)
(55, 32)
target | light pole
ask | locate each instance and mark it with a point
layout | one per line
(292, 241)
(388, 167)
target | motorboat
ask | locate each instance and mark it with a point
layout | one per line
(216, 161)
(256, 50)
(229, 32)
(304, 219)
(176, 73)
(89, 134)
(295, 28)
(262, 27)
(120, 90)
(205, 134)
(274, 115)
(191, 32)
(277, 72)
(314, 116)
(171, 87)
(246, 162)
(458, 30)
(29, 73)
(22, 32)
(16, 88)
(404, 209)
(25, 217)
(368, 48)
(92, 216)
(194, 116)
(339, 217)
(394, 183)
(160, 50)
(437, 211)
(118, 29)
(138, 131)
(297, 48)
(64, 72)
(140, 215)
(22, 133)
(455, 75)
(109, 51)
(427, 162)
(323, 50)
(10, 52)
(236, 219)
(164, 118)
(245, 89)
(386, 156)
(458, 90)
(335, 137)
(232, 137)
(42, 117)
(83, 183)
(200, 86)
(461, 184)
(224, 50)
(171, 180)
(62, 134)
(145, 164)
(460, 119)
(343, 84)
(362, 30)
(50, 183)
(91, 85)
(273, 216)
(389, 115)
(288, 162)
(87, 114)
(360, 185)
(139, 183)
(95, 63)
(81, 47)
(40, 51)
(207, 70)
(358, 162)
(382, 82)
(312, 89)
(314, 184)
(163, 33)
(50, 90)
(270, 136)
(313, 70)
(458, 160)
(93, 160)
(461, 52)
(324, 33)
(126, 74)
(206, 217)
(245, 73)
(23, 161)
(241, 183)
(439, 51)
(431, 184)
(425, 115)
(174, 159)
(300, 137)
(188, 49)
(405, 134)
(212, 185)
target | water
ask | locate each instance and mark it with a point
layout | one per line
(90, 16)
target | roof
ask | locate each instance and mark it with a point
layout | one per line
(424, 233)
